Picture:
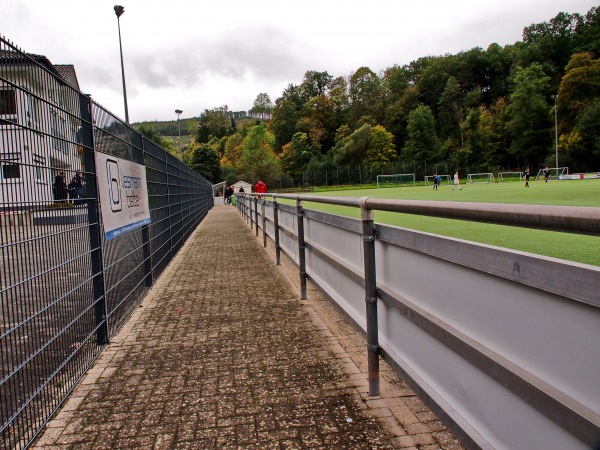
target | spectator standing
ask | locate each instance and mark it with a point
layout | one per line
(228, 194)
(60, 188)
(77, 183)
(260, 188)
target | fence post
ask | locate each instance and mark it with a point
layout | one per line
(246, 202)
(368, 238)
(301, 248)
(264, 223)
(89, 148)
(256, 214)
(146, 235)
(276, 226)
(250, 212)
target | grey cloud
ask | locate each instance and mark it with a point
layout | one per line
(267, 54)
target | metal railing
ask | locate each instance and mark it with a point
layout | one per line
(477, 331)
(64, 289)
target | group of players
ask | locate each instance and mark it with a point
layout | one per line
(437, 179)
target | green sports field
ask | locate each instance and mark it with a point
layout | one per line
(579, 248)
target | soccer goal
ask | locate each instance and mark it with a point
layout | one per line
(510, 176)
(429, 179)
(554, 173)
(480, 178)
(396, 180)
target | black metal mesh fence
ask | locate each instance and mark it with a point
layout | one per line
(65, 289)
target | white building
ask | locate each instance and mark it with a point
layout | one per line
(39, 124)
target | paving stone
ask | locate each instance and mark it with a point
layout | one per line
(222, 354)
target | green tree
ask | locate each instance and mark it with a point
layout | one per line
(450, 112)
(297, 154)
(581, 146)
(151, 134)
(283, 123)
(315, 84)
(262, 105)
(579, 88)
(551, 44)
(213, 123)
(205, 161)
(258, 161)
(364, 93)
(318, 122)
(422, 142)
(381, 150)
(352, 149)
(529, 123)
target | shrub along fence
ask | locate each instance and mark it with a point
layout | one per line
(65, 289)
(502, 345)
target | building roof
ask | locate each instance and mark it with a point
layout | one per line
(67, 72)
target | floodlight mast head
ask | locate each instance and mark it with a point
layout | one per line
(119, 10)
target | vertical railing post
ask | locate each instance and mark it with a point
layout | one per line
(264, 222)
(250, 212)
(256, 214)
(368, 237)
(93, 205)
(276, 226)
(301, 248)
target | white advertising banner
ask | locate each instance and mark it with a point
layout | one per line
(123, 194)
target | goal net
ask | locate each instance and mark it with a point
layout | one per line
(554, 173)
(396, 180)
(480, 178)
(510, 176)
(429, 179)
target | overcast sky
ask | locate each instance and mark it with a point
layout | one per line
(197, 55)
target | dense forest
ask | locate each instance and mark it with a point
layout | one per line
(502, 108)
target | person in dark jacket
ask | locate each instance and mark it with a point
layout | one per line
(60, 188)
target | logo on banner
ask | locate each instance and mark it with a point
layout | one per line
(114, 186)
(123, 195)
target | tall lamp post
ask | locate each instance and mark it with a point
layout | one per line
(555, 129)
(119, 10)
(178, 112)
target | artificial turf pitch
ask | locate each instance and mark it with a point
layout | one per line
(579, 248)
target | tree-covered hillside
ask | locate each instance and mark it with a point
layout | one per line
(481, 109)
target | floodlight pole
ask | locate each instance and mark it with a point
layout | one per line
(178, 112)
(119, 10)
(556, 129)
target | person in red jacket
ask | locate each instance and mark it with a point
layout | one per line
(260, 188)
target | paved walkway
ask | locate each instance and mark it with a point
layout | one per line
(223, 354)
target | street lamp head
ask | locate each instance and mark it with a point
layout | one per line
(178, 111)
(119, 10)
